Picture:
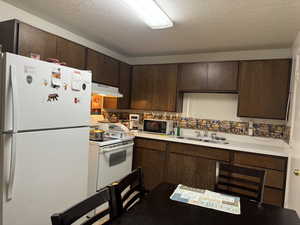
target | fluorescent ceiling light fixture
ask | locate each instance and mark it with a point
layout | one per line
(151, 13)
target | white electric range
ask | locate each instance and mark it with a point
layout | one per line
(109, 161)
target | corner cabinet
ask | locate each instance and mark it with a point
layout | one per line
(111, 69)
(125, 86)
(154, 87)
(105, 69)
(94, 63)
(264, 88)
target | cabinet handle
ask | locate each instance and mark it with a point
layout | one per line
(297, 172)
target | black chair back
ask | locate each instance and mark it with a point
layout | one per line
(81, 209)
(134, 185)
(241, 181)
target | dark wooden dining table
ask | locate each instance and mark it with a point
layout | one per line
(158, 209)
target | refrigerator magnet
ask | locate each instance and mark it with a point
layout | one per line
(52, 97)
(45, 83)
(56, 78)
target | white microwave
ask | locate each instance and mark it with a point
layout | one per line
(158, 126)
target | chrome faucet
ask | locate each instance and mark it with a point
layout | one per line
(213, 136)
(198, 133)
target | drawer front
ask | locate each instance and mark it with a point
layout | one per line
(150, 144)
(274, 178)
(201, 151)
(273, 197)
(261, 161)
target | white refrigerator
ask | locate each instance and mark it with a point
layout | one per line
(44, 139)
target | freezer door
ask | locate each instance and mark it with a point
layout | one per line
(40, 95)
(51, 174)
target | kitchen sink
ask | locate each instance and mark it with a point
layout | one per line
(208, 140)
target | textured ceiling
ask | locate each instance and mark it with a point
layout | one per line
(200, 25)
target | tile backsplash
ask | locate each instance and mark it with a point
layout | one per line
(232, 127)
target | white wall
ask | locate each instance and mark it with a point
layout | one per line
(215, 56)
(293, 183)
(8, 12)
(216, 107)
(211, 106)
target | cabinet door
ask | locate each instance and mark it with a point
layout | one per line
(33, 40)
(8, 37)
(193, 77)
(264, 88)
(125, 86)
(110, 75)
(152, 163)
(95, 62)
(223, 77)
(142, 87)
(192, 171)
(165, 88)
(71, 53)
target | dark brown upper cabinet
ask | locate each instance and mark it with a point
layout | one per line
(94, 63)
(142, 87)
(9, 36)
(165, 88)
(71, 53)
(125, 86)
(209, 77)
(33, 40)
(193, 77)
(222, 77)
(110, 75)
(154, 87)
(105, 70)
(23, 39)
(264, 88)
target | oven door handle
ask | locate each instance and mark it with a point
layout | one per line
(118, 148)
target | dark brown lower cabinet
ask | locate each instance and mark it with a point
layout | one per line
(274, 196)
(152, 161)
(275, 168)
(195, 166)
(192, 171)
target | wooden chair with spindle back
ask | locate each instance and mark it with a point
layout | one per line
(78, 211)
(240, 181)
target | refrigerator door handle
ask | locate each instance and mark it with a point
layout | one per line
(12, 168)
(14, 92)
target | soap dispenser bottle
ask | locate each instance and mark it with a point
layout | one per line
(250, 128)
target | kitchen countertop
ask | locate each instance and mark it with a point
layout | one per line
(267, 146)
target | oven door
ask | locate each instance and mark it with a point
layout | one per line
(115, 162)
